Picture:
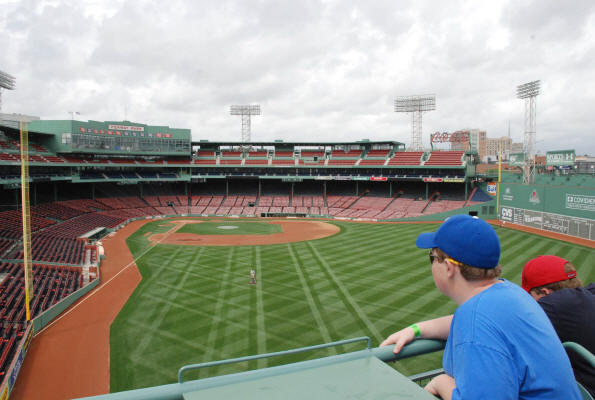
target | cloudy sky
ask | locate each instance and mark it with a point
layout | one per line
(320, 69)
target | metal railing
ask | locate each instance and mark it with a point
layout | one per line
(269, 355)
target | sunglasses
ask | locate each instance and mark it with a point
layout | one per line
(432, 256)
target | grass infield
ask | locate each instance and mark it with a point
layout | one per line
(195, 304)
(230, 228)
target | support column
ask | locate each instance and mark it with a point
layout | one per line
(92, 190)
(226, 187)
(427, 189)
(55, 191)
(466, 189)
(357, 188)
(390, 189)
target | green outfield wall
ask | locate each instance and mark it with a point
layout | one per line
(564, 207)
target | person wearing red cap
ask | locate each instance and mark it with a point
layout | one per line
(499, 342)
(553, 282)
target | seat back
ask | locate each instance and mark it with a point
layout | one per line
(589, 357)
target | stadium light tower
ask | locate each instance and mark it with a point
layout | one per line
(6, 82)
(416, 105)
(529, 92)
(245, 111)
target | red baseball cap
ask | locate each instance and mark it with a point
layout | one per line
(544, 270)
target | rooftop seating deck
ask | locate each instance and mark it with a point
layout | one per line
(262, 161)
(283, 162)
(310, 162)
(157, 162)
(9, 157)
(257, 154)
(205, 162)
(372, 162)
(341, 162)
(72, 159)
(312, 153)
(445, 158)
(237, 154)
(346, 154)
(284, 154)
(406, 158)
(54, 159)
(378, 153)
(122, 161)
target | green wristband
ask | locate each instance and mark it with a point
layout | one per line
(416, 330)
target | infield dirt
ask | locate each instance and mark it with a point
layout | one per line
(292, 231)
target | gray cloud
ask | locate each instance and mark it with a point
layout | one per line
(322, 70)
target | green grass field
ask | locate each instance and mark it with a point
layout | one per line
(195, 304)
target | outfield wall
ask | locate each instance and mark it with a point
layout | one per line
(569, 210)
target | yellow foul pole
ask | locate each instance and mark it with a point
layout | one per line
(499, 178)
(26, 211)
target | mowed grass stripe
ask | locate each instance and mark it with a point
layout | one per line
(369, 270)
(313, 303)
(238, 323)
(260, 325)
(156, 318)
(345, 295)
(238, 281)
(217, 315)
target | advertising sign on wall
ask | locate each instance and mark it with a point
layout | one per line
(579, 227)
(492, 188)
(560, 157)
(516, 159)
(580, 202)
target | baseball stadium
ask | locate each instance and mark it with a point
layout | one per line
(136, 263)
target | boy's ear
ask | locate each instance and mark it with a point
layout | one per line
(450, 268)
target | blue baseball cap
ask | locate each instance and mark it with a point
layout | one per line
(467, 239)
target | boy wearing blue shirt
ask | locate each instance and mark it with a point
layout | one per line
(500, 344)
